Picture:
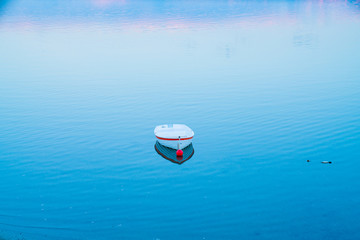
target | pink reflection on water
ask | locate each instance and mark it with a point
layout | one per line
(106, 3)
(261, 17)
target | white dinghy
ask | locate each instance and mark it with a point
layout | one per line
(176, 136)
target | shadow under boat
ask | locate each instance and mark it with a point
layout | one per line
(170, 154)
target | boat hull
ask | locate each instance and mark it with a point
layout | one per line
(170, 154)
(175, 136)
(174, 143)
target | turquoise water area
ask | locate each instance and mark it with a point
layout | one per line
(265, 85)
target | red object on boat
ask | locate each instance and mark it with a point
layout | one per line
(179, 153)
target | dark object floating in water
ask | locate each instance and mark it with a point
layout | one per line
(308, 160)
(326, 162)
(170, 154)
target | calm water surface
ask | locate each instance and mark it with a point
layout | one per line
(265, 85)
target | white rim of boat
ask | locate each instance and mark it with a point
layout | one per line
(174, 139)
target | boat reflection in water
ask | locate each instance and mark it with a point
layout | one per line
(170, 154)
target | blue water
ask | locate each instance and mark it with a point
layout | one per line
(265, 85)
